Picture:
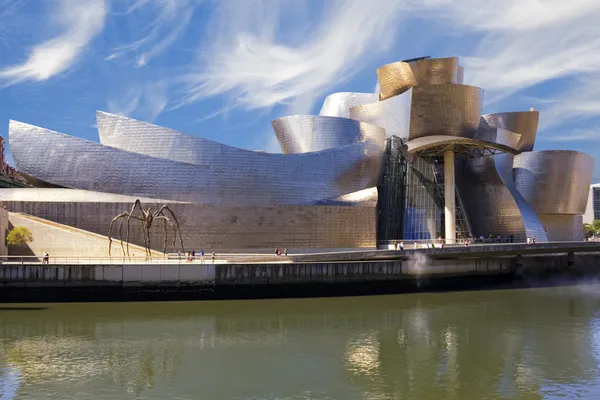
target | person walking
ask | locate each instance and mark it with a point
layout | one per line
(533, 240)
(285, 251)
(46, 258)
(528, 240)
(201, 256)
(212, 257)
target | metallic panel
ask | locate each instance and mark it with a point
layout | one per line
(499, 136)
(392, 114)
(524, 123)
(41, 195)
(339, 104)
(216, 227)
(452, 110)
(306, 133)
(554, 181)
(563, 227)
(394, 79)
(492, 202)
(439, 143)
(398, 77)
(436, 71)
(221, 174)
(429, 110)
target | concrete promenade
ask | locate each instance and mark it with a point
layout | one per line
(324, 274)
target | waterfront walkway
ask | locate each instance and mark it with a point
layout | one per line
(358, 255)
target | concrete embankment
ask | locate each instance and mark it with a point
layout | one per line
(418, 272)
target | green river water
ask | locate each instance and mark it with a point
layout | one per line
(509, 344)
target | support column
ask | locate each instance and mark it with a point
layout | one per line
(449, 197)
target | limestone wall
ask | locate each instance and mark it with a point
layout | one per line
(60, 240)
(215, 227)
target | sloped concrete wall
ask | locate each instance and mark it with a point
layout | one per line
(61, 240)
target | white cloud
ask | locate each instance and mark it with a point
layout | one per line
(169, 19)
(79, 21)
(262, 56)
(144, 101)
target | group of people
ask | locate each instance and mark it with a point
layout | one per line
(531, 240)
(279, 252)
(191, 256)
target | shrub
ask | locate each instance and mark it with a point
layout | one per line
(19, 236)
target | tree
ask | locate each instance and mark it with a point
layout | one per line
(19, 236)
(588, 230)
(596, 227)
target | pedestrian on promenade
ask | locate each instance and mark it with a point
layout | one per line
(193, 255)
(528, 240)
(202, 256)
(277, 251)
(533, 240)
(46, 258)
(212, 257)
(285, 252)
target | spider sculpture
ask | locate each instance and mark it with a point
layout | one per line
(146, 218)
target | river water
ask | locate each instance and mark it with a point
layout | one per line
(526, 344)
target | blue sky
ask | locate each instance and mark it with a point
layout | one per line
(224, 69)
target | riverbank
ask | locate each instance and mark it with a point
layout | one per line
(378, 272)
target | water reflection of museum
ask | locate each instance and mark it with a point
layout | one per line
(415, 161)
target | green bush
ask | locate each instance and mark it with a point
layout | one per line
(19, 236)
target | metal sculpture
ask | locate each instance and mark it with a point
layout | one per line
(147, 219)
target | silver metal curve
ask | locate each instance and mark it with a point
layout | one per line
(494, 205)
(307, 133)
(392, 114)
(398, 77)
(563, 227)
(554, 181)
(524, 123)
(453, 110)
(339, 104)
(219, 174)
(394, 79)
(439, 143)
(427, 110)
(499, 136)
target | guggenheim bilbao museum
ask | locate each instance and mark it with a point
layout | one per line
(416, 161)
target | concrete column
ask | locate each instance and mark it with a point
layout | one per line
(449, 197)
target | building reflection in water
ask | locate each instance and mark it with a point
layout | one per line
(462, 345)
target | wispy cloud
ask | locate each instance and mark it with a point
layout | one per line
(527, 42)
(576, 135)
(168, 20)
(144, 101)
(261, 56)
(79, 22)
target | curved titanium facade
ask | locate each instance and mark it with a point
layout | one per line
(428, 110)
(524, 123)
(215, 178)
(398, 77)
(451, 110)
(554, 181)
(500, 137)
(437, 144)
(493, 204)
(392, 114)
(339, 104)
(306, 133)
(394, 79)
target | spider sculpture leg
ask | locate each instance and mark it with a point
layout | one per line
(161, 212)
(122, 215)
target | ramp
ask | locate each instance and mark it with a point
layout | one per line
(63, 240)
